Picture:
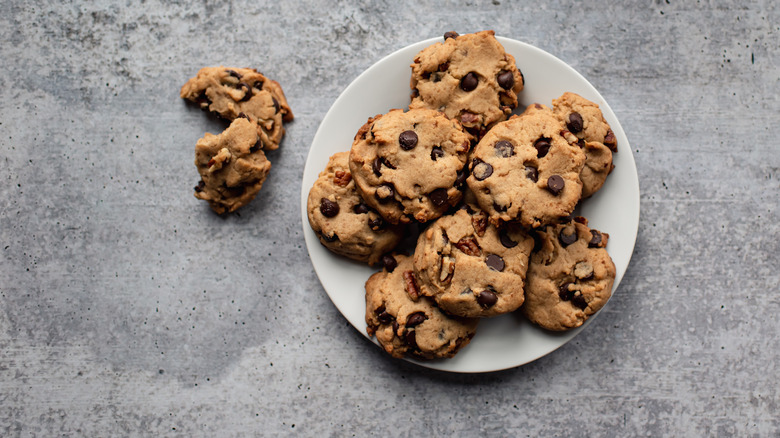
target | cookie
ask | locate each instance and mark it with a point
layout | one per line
(344, 223)
(239, 92)
(470, 267)
(468, 77)
(570, 276)
(408, 165)
(526, 169)
(405, 323)
(584, 119)
(232, 167)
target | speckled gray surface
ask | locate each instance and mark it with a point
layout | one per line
(128, 308)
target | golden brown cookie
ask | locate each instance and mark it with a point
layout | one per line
(469, 77)
(409, 165)
(406, 323)
(232, 167)
(570, 276)
(526, 170)
(344, 223)
(470, 267)
(242, 92)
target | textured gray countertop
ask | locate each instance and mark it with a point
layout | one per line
(128, 308)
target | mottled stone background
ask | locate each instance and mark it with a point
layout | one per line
(128, 308)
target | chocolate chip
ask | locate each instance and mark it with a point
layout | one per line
(233, 73)
(487, 298)
(460, 180)
(506, 80)
(579, 301)
(247, 91)
(332, 238)
(377, 166)
(531, 173)
(439, 197)
(495, 262)
(383, 316)
(564, 293)
(415, 319)
(411, 339)
(361, 208)
(408, 140)
(575, 122)
(395, 326)
(567, 239)
(242, 116)
(499, 208)
(444, 66)
(436, 153)
(555, 184)
(610, 141)
(276, 104)
(595, 240)
(389, 262)
(328, 208)
(258, 85)
(469, 82)
(384, 193)
(376, 224)
(506, 240)
(481, 169)
(448, 35)
(504, 149)
(565, 219)
(201, 185)
(542, 147)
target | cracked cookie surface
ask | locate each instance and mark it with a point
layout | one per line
(570, 276)
(344, 223)
(469, 77)
(242, 92)
(232, 167)
(406, 324)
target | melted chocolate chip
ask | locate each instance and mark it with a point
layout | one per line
(384, 193)
(376, 224)
(504, 149)
(575, 122)
(257, 146)
(460, 180)
(383, 316)
(579, 301)
(332, 238)
(276, 104)
(532, 173)
(361, 208)
(495, 262)
(564, 293)
(448, 35)
(411, 339)
(555, 184)
(408, 140)
(242, 116)
(415, 319)
(487, 298)
(389, 262)
(233, 73)
(436, 153)
(328, 208)
(506, 240)
(499, 208)
(567, 239)
(542, 147)
(595, 240)
(377, 166)
(439, 197)
(506, 80)
(469, 82)
(481, 169)
(201, 185)
(247, 91)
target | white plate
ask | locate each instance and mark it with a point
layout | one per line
(509, 340)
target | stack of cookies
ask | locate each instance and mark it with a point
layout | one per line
(232, 165)
(488, 198)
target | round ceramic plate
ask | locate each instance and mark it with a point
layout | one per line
(509, 340)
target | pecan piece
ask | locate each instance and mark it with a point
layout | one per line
(469, 246)
(410, 285)
(341, 178)
(479, 222)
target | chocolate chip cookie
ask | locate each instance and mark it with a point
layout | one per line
(232, 167)
(407, 324)
(468, 77)
(470, 267)
(526, 169)
(409, 165)
(584, 119)
(570, 276)
(344, 223)
(242, 92)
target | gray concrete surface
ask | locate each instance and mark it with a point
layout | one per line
(128, 309)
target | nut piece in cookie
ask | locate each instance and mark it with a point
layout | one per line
(242, 92)
(570, 276)
(232, 167)
(407, 326)
(584, 119)
(527, 170)
(409, 165)
(471, 267)
(469, 77)
(344, 223)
